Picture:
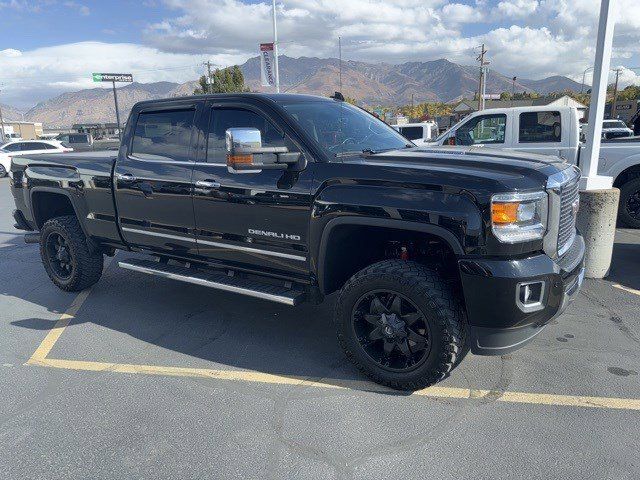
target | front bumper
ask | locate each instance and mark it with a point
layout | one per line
(497, 325)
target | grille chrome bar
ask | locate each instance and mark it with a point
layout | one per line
(563, 192)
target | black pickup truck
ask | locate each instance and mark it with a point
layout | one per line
(290, 198)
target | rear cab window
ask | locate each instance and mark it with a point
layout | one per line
(163, 135)
(540, 127)
(412, 133)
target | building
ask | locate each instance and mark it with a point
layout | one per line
(465, 107)
(97, 130)
(24, 130)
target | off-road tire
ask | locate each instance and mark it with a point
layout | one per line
(3, 171)
(436, 301)
(626, 191)
(86, 264)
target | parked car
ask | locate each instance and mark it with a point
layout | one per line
(553, 131)
(290, 198)
(418, 133)
(83, 142)
(33, 147)
(615, 129)
(5, 164)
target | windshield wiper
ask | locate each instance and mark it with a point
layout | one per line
(369, 151)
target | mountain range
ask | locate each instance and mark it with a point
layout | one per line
(369, 83)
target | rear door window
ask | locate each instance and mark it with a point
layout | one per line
(540, 127)
(163, 135)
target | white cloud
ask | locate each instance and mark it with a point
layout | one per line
(461, 13)
(35, 75)
(517, 8)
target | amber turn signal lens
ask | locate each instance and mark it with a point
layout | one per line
(233, 160)
(502, 213)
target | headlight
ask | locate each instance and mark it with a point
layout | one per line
(519, 217)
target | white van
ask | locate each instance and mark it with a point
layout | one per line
(418, 133)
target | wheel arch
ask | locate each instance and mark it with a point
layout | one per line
(47, 203)
(326, 271)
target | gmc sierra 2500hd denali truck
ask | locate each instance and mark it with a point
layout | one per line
(290, 198)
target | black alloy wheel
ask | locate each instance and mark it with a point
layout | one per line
(391, 330)
(59, 255)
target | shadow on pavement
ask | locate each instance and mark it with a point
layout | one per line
(624, 265)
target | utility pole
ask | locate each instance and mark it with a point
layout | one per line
(208, 65)
(615, 94)
(340, 62)
(481, 86)
(275, 48)
(513, 89)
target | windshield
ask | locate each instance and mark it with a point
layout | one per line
(342, 129)
(614, 124)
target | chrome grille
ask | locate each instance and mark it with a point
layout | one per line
(569, 195)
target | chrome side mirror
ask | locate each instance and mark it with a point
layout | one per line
(243, 141)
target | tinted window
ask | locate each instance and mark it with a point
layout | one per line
(28, 146)
(13, 147)
(78, 139)
(224, 118)
(163, 135)
(48, 146)
(485, 129)
(540, 127)
(412, 133)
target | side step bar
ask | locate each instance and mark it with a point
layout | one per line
(220, 281)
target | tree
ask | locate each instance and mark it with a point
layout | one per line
(223, 80)
(505, 96)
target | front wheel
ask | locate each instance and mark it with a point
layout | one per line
(629, 209)
(68, 260)
(400, 324)
(3, 171)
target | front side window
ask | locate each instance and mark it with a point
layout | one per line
(412, 133)
(224, 118)
(164, 135)
(342, 129)
(540, 127)
(78, 139)
(485, 129)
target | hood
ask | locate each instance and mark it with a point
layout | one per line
(465, 166)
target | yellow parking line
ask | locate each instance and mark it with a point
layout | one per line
(39, 358)
(54, 334)
(267, 378)
(627, 289)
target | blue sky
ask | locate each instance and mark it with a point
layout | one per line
(50, 46)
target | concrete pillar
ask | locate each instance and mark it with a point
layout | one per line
(596, 222)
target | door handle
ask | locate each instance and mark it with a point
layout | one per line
(207, 184)
(126, 177)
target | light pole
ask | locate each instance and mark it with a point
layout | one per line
(584, 74)
(1, 125)
(275, 48)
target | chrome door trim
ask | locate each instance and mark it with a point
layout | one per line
(219, 244)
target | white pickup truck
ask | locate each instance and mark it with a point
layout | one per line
(553, 131)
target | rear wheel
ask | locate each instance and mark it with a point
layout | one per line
(400, 324)
(3, 171)
(68, 260)
(629, 209)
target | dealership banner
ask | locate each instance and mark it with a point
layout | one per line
(267, 73)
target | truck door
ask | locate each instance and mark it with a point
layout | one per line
(153, 179)
(543, 132)
(257, 219)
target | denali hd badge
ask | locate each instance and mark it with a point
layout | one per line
(284, 236)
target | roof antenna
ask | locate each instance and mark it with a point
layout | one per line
(338, 96)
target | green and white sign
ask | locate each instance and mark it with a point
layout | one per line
(112, 77)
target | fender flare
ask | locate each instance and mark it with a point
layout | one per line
(57, 191)
(447, 236)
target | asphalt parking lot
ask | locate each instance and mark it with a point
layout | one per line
(143, 377)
